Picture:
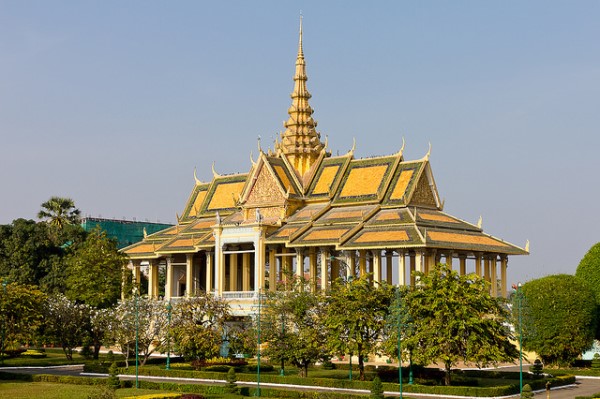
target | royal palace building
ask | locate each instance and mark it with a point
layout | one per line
(299, 210)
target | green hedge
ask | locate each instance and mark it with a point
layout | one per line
(475, 391)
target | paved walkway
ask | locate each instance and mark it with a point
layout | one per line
(583, 386)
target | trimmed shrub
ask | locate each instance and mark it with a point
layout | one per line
(527, 392)
(537, 368)
(377, 389)
(113, 376)
(231, 386)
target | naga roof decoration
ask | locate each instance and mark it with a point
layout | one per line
(302, 197)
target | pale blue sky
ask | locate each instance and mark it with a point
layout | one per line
(113, 103)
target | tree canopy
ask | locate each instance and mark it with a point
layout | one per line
(198, 326)
(59, 212)
(22, 307)
(454, 318)
(589, 269)
(292, 323)
(559, 317)
(94, 271)
(355, 317)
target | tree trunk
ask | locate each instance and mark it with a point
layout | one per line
(361, 366)
(447, 374)
(97, 346)
(68, 353)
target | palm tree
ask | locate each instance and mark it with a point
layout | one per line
(59, 212)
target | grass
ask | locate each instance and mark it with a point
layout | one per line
(54, 357)
(47, 390)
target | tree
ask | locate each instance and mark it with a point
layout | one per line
(21, 312)
(59, 212)
(455, 318)
(377, 389)
(100, 321)
(66, 323)
(198, 326)
(94, 271)
(141, 316)
(292, 325)
(355, 317)
(559, 317)
(30, 254)
(231, 385)
(589, 269)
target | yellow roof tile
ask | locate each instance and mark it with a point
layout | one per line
(382, 236)
(326, 179)
(363, 181)
(464, 239)
(401, 184)
(225, 195)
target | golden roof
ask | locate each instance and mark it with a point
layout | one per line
(302, 196)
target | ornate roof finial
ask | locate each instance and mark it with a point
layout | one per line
(300, 142)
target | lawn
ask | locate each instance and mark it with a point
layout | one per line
(46, 390)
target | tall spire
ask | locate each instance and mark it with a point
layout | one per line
(300, 142)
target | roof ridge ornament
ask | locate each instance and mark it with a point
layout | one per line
(527, 246)
(198, 182)
(480, 222)
(426, 157)
(401, 152)
(215, 174)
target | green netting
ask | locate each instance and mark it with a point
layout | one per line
(126, 232)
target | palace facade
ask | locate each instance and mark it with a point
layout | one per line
(301, 210)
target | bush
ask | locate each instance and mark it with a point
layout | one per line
(377, 389)
(537, 368)
(231, 386)
(596, 362)
(102, 393)
(113, 376)
(34, 354)
(527, 392)
(253, 368)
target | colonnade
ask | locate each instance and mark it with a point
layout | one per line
(318, 265)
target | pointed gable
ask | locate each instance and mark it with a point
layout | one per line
(266, 188)
(424, 192)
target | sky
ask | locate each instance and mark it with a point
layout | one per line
(114, 103)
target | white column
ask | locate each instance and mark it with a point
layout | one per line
(151, 278)
(189, 275)
(272, 269)
(413, 267)
(401, 269)
(324, 264)
(376, 264)
(299, 263)
(312, 256)
(260, 255)
(209, 272)
(169, 283)
(478, 265)
(351, 263)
